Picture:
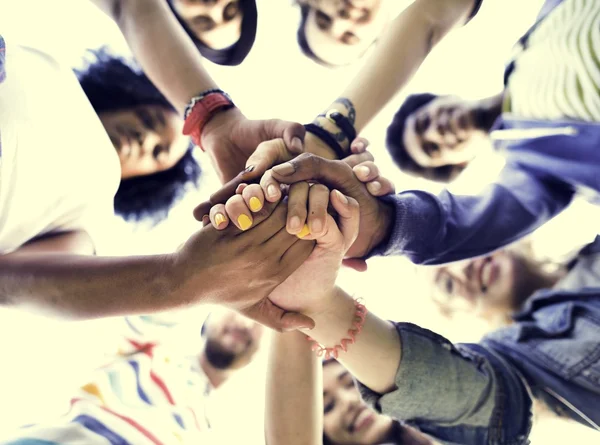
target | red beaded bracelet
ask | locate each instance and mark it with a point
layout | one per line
(357, 324)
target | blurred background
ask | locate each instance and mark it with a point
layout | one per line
(41, 359)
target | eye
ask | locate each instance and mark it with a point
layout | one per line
(231, 11)
(422, 123)
(323, 20)
(449, 285)
(203, 23)
(328, 407)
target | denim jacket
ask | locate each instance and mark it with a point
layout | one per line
(481, 393)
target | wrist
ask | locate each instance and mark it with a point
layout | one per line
(334, 318)
(386, 221)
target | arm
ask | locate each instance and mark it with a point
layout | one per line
(456, 394)
(398, 54)
(165, 55)
(75, 242)
(80, 287)
(294, 403)
(446, 228)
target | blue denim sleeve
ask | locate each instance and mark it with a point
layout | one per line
(437, 230)
(463, 394)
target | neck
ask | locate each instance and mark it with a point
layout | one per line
(535, 278)
(216, 377)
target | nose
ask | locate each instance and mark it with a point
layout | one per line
(339, 27)
(216, 14)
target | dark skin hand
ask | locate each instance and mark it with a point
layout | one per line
(266, 256)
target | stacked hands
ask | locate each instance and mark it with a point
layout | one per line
(290, 228)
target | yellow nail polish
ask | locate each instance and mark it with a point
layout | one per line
(304, 232)
(219, 219)
(244, 222)
(255, 204)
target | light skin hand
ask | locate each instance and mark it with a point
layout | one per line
(368, 173)
(274, 152)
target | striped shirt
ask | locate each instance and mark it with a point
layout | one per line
(557, 72)
(144, 395)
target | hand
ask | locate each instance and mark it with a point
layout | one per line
(230, 139)
(274, 152)
(305, 289)
(376, 217)
(238, 269)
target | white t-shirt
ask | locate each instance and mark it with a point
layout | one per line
(58, 169)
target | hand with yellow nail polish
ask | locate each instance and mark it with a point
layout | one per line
(239, 265)
(307, 290)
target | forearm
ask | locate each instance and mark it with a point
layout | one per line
(374, 358)
(398, 54)
(164, 50)
(294, 403)
(81, 287)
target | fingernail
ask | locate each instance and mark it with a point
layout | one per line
(272, 191)
(255, 204)
(342, 197)
(219, 219)
(285, 169)
(297, 144)
(316, 226)
(244, 222)
(358, 146)
(294, 223)
(304, 232)
(375, 186)
(248, 169)
(364, 171)
(205, 219)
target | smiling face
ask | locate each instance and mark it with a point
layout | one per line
(490, 285)
(446, 131)
(347, 419)
(217, 23)
(340, 31)
(147, 138)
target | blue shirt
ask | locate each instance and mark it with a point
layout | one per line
(480, 393)
(547, 163)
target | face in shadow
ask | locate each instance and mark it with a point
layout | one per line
(216, 23)
(339, 32)
(446, 131)
(147, 138)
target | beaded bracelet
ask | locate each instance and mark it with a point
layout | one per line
(357, 324)
(326, 137)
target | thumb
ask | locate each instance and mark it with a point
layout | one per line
(355, 263)
(292, 134)
(266, 155)
(268, 314)
(348, 216)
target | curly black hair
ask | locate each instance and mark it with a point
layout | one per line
(236, 53)
(111, 83)
(395, 143)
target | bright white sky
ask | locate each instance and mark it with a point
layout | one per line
(43, 357)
